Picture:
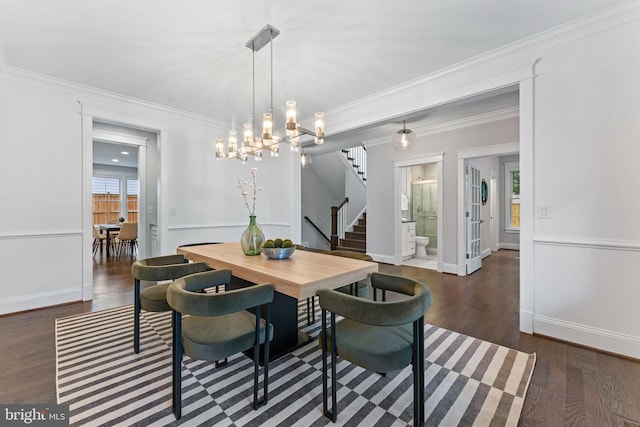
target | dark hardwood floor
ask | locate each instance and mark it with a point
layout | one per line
(571, 385)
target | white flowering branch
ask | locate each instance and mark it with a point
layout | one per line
(243, 186)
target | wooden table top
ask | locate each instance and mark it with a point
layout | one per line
(298, 276)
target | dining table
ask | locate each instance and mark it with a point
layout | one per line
(108, 228)
(295, 278)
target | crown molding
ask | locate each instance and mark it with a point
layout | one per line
(528, 47)
(79, 90)
(451, 125)
(478, 119)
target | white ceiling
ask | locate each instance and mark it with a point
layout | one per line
(191, 55)
(105, 153)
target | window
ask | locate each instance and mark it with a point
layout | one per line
(110, 201)
(106, 200)
(512, 196)
(132, 200)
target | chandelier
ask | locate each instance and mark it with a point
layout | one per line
(253, 143)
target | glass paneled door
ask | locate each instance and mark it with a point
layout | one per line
(474, 203)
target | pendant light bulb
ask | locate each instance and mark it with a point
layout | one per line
(305, 160)
(319, 125)
(291, 117)
(404, 140)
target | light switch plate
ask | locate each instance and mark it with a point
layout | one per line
(544, 211)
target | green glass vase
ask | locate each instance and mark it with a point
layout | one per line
(252, 238)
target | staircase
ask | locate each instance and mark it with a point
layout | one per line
(356, 240)
(357, 156)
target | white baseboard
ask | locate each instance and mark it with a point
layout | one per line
(526, 321)
(614, 342)
(512, 246)
(485, 253)
(387, 259)
(43, 299)
(449, 268)
(87, 292)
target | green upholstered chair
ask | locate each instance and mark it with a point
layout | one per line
(154, 297)
(379, 336)
(219, 326)
(359, 288)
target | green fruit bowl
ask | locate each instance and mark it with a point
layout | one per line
(278, 253)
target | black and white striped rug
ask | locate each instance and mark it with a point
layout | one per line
(468, 381)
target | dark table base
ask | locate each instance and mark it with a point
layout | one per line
(284, 318)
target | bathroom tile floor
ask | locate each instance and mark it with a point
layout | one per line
(430, 262)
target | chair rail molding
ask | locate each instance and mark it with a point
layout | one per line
(44, 234)
(581, 242)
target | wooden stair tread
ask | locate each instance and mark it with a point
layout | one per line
(355, 235)
(349, 248)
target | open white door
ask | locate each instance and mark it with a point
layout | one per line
(473, 203)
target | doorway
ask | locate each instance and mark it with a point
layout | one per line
(419, 204)
(481, 222)
(103, 143)
(115, 189)
(419, 212)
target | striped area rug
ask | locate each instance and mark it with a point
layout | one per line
(468, 381)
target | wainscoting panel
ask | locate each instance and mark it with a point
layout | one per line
(46, 269)
(588, 293)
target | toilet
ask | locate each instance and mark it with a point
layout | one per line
(421, 246)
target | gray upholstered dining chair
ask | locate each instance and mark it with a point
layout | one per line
(219, 326)
(97, 240)
(359, 288)
(154, 296)
(128, 237)
(379, 336)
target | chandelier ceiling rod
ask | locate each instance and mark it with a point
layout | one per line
(271, 43)
(253, 79)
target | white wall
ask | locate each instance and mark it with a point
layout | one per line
(317, 200)
(45, 234)
(41, 233)
(587, 145)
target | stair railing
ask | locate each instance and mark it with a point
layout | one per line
(338, 223)
(317, 229)
(358, 157)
